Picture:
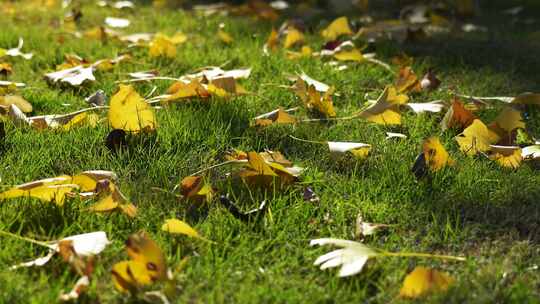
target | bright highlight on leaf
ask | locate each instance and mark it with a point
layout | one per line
(129, 112)
(293, 37)
(435, 154)
(422, 281)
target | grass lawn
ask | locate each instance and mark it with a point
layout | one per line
(475, 209)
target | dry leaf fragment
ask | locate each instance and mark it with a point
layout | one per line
(364, 228)
(337, 28)
(390, 135)
(84, 245)
(359, 150)
(407, 81)
(80, 287)
(117, 22)
(129, 112)
(430, 81)
(531, 152)
(163, 45)
(16, 52)
(312, 98)
(175, 226)
(5, 68)
(272, 42)
(422, 281)
(74, 76)
(352, 257)
(432, 106)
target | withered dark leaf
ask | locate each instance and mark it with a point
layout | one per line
(243, 216)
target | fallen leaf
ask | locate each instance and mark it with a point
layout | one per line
(352, 257)
(17, 100)
(476, 138)
(337, 28)
(359, 150)
(129, 112)
(16, 52)
(531, 152)
(111, 199)
(386, 109)
(147, 264)
(506, 156)
(80, 287)
(74, 76)
(432, 106)
(293, 37)
(457, 117)
(407, 81)
(195, 188)
(278, 116)
(175, 226)
(224, 37)
(435, 154)
(422, 281)
(117, 22)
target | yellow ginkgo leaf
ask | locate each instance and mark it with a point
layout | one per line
(81, 120)
(112, 199)
(17, 100)
(305, 51)
(506, 156)
(509, 119)
(162, 46)
(48, 190)
(337, 28)
(147, 264)
(278, 116)
(476, 138)
(224, 37)
(313, 99)
(435, 154)
(176, 226)
(386, 109)
(422, 281)
(349, 55)
(129, 112)
(293, 37)
(272, 42)
(178, 38)
(180, 91)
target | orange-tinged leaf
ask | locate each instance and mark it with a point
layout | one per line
(278, 116)
(509, 119)
(422, 281)
(180, 90)
(407, 81)
(112, 199)
(337, 28)
(129, 112)
(195, 188)
(162, 46)
(457, 116)
(272, 42)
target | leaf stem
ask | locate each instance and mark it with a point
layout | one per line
(308, 141)
(215, 166)
(22, 238)
(423, 255)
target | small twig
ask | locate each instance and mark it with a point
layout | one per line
(216, 166)
(327, 119)
(148, 79)
(307, 141)
(423, 255)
